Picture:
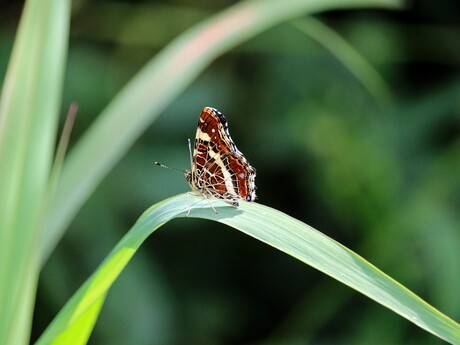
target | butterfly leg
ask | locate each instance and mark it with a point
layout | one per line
(210, 203)
(189, 208)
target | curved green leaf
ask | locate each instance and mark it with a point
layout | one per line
(75, 322)
(349, 57)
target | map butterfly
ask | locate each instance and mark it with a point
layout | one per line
(218, 168)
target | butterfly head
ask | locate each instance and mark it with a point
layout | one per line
(188, 176)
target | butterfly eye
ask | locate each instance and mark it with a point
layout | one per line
(248, 198)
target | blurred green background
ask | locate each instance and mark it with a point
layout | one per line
(377, 171)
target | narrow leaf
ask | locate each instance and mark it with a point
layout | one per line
(267, 225)
(350, 58)
(29, 108)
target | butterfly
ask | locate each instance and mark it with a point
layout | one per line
(218, 168)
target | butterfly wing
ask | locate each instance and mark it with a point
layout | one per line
(218, 168)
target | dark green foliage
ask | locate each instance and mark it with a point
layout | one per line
(381, 178)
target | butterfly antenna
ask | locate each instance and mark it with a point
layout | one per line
(166, 167)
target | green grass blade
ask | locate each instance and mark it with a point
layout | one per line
(348, 57)
(29, 108)
(156, 86)
(267, 225)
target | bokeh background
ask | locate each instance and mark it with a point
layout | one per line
(376, 170)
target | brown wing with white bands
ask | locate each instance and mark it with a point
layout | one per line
(219, 169)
